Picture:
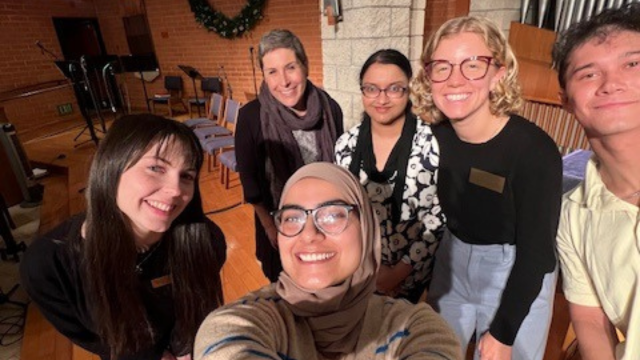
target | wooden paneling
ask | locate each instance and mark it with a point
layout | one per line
(532, 47)
(563, 127)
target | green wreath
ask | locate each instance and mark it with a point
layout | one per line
(224, 26)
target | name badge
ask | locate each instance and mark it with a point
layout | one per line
(161, 281)
(487, 180)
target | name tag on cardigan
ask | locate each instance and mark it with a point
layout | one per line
(161, 281)
(487, 180)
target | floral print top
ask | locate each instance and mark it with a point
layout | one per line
(415, 238)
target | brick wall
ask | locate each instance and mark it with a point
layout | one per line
(22, 23)
(179, 40)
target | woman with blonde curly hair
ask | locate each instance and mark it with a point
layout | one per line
(499, 185)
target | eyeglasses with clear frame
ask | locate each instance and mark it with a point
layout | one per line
(393, 91)
(331, 219)
(473, 68)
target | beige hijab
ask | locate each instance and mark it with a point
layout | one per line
(336, 314)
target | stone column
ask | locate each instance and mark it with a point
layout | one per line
(502, 12)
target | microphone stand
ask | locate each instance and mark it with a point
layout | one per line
(193, 74)
(45, 50)
(81, 105)
(253, 69)
(226, 80)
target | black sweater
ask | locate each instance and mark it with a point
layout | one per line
(51, 275)
(525, 213)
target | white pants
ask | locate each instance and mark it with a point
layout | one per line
(468, 281)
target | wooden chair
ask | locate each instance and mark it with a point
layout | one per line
(173, 85)
(206, 128)
(214, 114)
(228, 163)
(216, 144)
(209, 86)
(227, 156)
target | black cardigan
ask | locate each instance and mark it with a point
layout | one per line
(50, 274)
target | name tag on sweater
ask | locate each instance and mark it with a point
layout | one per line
(487, 180)
(161, 281)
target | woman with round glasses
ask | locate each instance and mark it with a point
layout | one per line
(323, 305)
(395, 156)
(500, 188)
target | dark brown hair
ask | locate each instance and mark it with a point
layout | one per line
(598, 27)
(108, 250)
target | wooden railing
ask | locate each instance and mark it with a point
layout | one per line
(562, 126)
(32, 90)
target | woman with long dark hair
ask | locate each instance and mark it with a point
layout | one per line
(395, 156)
(135, 276)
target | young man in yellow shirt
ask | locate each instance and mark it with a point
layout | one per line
(598, 64)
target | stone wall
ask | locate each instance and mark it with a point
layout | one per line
(502, 12)
(367, 26)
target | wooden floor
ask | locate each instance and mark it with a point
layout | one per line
(64, 195)
(241, 273)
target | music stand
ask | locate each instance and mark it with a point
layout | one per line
(193, 74)
(140, 63)
(68, 69)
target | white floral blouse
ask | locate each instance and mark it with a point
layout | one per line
(415, 238)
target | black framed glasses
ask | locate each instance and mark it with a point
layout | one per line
(393, 91)
(331, 219)
(473, 68)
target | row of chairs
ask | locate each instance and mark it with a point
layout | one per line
(216, 134)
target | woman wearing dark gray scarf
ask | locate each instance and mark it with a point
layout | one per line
(323, 305)
(292, 123)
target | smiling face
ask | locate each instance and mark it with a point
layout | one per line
(603, 84)
(384, 109)
(285, 77)
(313, 259)
(155, 190)
(457, 98)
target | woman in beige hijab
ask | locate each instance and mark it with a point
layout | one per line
(323, 305)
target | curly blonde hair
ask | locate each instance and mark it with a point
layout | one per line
(504, 99)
